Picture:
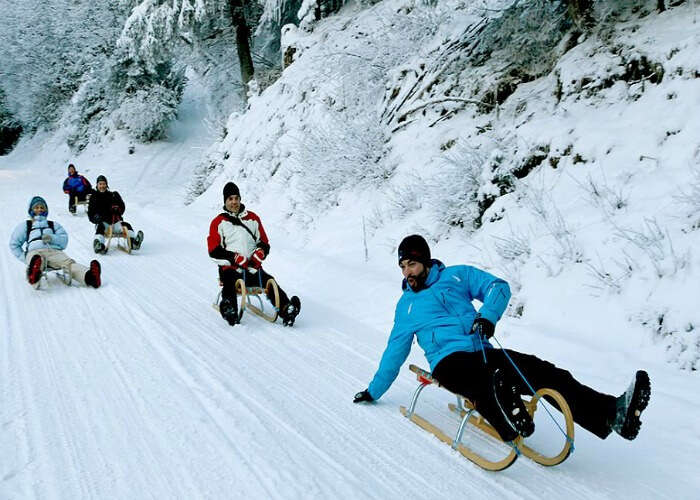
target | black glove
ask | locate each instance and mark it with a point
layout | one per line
(483, 327)
(362, 397)
(96, 219)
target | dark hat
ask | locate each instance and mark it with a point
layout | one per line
(70, 165)
(101, 178)
(230, 189)
(415, 247)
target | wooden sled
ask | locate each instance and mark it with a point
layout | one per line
(466, 410)
(247, 293)
(77, 203)
(123, 240)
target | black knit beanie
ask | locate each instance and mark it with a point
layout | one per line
(415, 247)
(230, 189)
(101, 178)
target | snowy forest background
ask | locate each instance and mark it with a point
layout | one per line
(555, 143)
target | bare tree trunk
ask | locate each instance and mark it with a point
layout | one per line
(581, 13)
(245, 60)
(660, 6)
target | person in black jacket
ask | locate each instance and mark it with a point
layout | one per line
(106, 209)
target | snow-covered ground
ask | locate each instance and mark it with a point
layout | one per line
(140, 390)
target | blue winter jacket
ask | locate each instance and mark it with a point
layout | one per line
(40, 226)
(76, 183)
(440, 316)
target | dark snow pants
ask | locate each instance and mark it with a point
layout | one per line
(229, 274)
(101, 228)
(73, 194)
(465, 373)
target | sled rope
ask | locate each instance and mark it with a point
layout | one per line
(264, 289)
(481, 344)
(571, 441)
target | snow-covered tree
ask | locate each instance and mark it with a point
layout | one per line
(41, 56)
(59, 62)
(124, 95)
(156, 27)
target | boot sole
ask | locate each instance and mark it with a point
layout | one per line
(96, 271)
(516, 414)
(231, 319)
(138, 240)
(34, 274)
(640, 400)
(296, 303)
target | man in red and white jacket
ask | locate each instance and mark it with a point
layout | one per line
(238, 244)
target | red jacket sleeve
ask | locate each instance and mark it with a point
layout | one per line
(214, 238)
(263, 234)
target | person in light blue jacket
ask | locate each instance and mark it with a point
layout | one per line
(436, 308)
(40, 242)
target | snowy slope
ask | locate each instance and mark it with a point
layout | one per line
(140, 390)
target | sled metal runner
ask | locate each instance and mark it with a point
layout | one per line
(63, 274)
(466, 410)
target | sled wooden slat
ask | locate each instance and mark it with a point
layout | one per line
(568, 416)
(77, 203)
(424, 374)
(109, 234)
(531, 406)
(476, 420)
(255, 291)
(246, 293)
(466, 452)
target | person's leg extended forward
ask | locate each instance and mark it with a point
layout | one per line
(56, 259)
(465, 373)
(591, 409)
(289, 307)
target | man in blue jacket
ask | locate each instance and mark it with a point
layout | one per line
(40, 242)
(436, 307)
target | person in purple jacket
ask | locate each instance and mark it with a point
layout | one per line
(436, 307)
(76, 186)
